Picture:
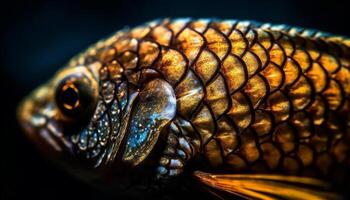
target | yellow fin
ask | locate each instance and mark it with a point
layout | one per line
(269, 187)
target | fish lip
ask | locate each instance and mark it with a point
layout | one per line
(23, 111)
(41, 129)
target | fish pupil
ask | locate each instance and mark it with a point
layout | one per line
(70, 97)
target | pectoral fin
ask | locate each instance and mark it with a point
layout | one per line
(269, 187)
(153, 109)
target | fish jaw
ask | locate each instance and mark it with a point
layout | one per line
(34, 114)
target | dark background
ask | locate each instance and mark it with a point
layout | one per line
(38, 37)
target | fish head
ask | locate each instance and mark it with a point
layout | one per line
(94, 122)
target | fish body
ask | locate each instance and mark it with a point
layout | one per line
(229, 97)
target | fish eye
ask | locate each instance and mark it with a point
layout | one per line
(74, 96)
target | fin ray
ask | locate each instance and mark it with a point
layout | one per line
(264, 186)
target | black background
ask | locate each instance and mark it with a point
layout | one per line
(38, 37)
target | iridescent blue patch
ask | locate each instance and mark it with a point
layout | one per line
(140, 129)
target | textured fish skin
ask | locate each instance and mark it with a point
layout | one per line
(250, 97)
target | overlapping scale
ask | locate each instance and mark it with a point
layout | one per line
(329, 62)
(148, 53)
(256, 89)
(162, 35)
(261, 53)
(263, 123)
(199, 25)
(189, 94)
(236, 162)
(285, 138)
(339, 150)
(225, 26)
(217, 42)
(333, 95)
(292, 71)
(303, 59)
(250, 36)
(128, 59)
(213, 153)
(238, 42)
(305, 154)
(303, 124)
(312, 49)
(172, 64)
(343, 76)
(324, 162)
(106, 54)
(204, 123)
(126, 44)
(249, 148)
(320, 139)
(217, 96)
(252, 62)
(240, 111)
(227, 136)
(317, 110)
(265, 38)
(177, 25)
(271, 154)
(318, 76)
(277, 55)
(279, 105)
(235, 72)
(190, 43)
(301, 93)
(291, 165)
(140, 32)
(274, 76)
(206, 65)
(287, 45)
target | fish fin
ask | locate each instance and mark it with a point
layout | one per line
(269, 187)
(152, 110)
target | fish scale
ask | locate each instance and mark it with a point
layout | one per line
(259, 97)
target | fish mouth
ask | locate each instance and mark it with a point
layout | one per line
(37, 116)
(45, 126)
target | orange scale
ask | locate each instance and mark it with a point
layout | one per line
(303, 59)
(190, 43)
(252, 62)
(333, 95)
(225, 26)
(199, 25)
(238, 43)
(162, 35)
(274, 76)
(301, 93)
(172, 64)
(217, 42)
(204, 123)
(240, 111)
(291, 71)
(234, 71)
(317, 110)
(256, 88)
(277, 55)
(148, 53)
(329, 62)
(318, 76)
(206, 65)
(217, 97)
(284, 137)
(279, 106)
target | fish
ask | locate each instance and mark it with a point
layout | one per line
(244, 109)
